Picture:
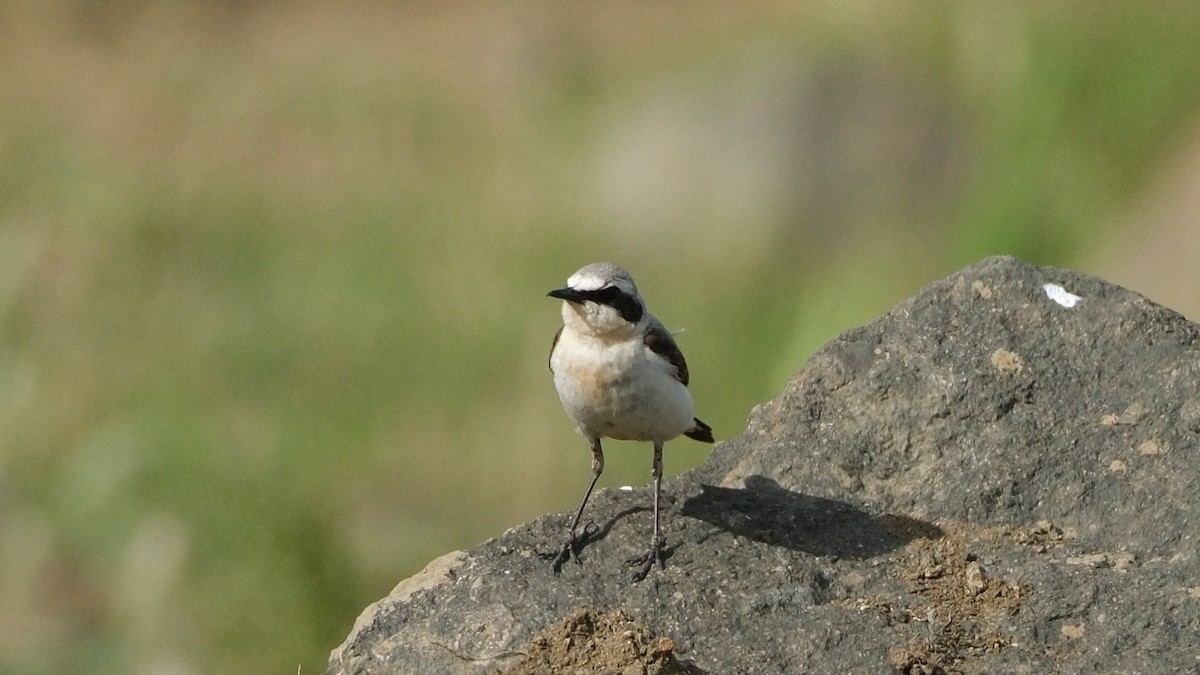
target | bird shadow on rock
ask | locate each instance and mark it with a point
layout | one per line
(590, 533)
(765, 512)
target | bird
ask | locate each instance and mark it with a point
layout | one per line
(619, 374)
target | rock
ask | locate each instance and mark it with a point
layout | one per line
(931, 493)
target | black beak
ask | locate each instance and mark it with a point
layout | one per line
(568, 294)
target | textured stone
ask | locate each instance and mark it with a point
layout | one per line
(999, 475)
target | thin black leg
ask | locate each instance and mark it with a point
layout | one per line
(575, 543)
(654, 554)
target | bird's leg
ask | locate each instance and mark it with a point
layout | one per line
(654, 555)
(575, 543)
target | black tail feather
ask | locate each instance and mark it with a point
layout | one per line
(700, 432)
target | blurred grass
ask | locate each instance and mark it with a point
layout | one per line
(272, 276)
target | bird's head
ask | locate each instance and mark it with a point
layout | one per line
(600, 299)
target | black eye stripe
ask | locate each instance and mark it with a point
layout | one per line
(626, 305)
(604, 295)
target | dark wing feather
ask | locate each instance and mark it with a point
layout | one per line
(700, 432)
(550, 359)
(660, 342)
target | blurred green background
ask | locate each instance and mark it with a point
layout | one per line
(272, 275)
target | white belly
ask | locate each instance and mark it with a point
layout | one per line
(620, 391)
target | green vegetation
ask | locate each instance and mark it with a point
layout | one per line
(272, 325)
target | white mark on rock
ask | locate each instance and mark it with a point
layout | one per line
(1061, 295)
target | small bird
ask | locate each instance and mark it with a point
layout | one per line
(619, 375)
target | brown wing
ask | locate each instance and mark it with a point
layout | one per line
(660, 342)
(552, 346)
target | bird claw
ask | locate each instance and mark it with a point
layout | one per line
(573, 546)
(566, 553)
(646, 561)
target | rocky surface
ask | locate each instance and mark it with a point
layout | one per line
(996, 476)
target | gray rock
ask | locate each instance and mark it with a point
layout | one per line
(983, 480)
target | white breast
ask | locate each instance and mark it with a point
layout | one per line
(619, 389)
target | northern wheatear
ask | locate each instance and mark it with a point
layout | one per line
(619, 374)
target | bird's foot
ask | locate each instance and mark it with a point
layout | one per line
(646, 561)
(572, 547)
